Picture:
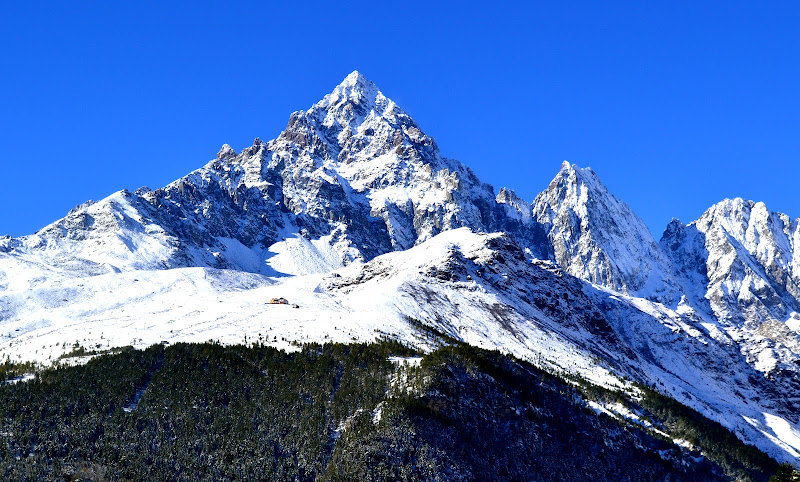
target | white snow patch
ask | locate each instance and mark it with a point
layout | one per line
(766, 361)
(299, 256)
(794, 322)
(377, 414)
(413, 361)
(786, 435)
(23, 378)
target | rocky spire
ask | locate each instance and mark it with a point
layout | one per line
(599, 238)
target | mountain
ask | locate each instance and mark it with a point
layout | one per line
(349, 179)
(738, 264)
(355, 217)
(354, 172)
(599, 238)
(744, 258)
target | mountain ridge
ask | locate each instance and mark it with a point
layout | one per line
(353, 211)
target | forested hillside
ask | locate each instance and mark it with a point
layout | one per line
(345, 412)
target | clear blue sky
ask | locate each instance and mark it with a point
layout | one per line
(676, 105)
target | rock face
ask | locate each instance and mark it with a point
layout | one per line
(356, 159)
(738, 264)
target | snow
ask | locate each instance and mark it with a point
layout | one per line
(766, 361)
(45, 314)
(794, 323)
(377, 414)
(599, 238)
(297, 255)
(23, 378)
(240, 255)
(199, 304)
(362, 302)
(620, 411)
(600, 408)
(786, 435)
(413, 361)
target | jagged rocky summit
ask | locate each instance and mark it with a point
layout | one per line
(353, 209)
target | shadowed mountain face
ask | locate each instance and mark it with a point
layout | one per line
(354, 190)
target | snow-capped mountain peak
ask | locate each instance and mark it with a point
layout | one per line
(356, 105)
(226, 153)
(744, 260)
(599, 238)
(354, 118)
(355, 89)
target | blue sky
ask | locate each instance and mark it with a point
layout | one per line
(676, 105)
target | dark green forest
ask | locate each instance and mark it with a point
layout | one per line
(343, 412)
